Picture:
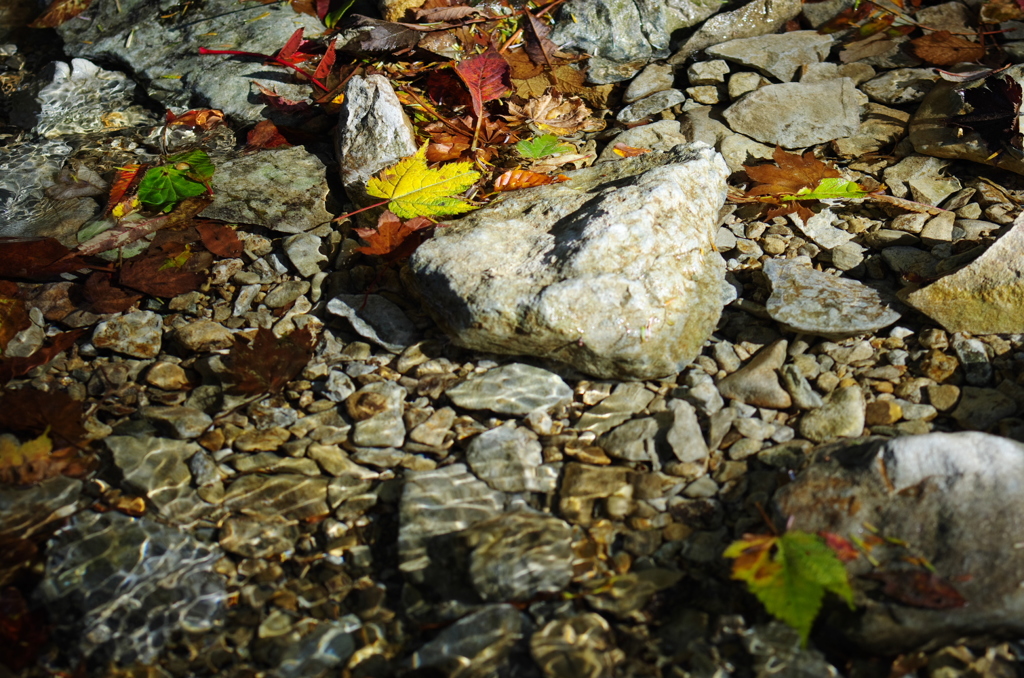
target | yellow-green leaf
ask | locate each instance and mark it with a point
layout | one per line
(414, 190)
(830, 189)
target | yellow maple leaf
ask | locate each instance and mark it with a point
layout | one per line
(13, 454)
(415, 190)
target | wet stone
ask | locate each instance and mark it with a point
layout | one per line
(512, 389)
(582, 645)
(267, 462)
(625, 400)
(167, 376)
(25, 511)
(981, 408)
(119, 588)
(583, 484)
(508, 458)
(377, 319)
(633, 441)
(519, 555)
(286, 293)
(385, 427)
(135, 334)
(481, 641)
(439, 502)
(817, 303)
(685, 436)
(654, 78)
(179, 422)
(263, 537)
(268, 440)
(318, 650)
(435, 429)
(157, 468)
(292, 496)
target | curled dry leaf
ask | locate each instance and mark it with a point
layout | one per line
(553, 113)
(13, 314)
(392, 237)
(945, 49)
(622, 150)
(519, 178)
(205, 119)
(60, 11)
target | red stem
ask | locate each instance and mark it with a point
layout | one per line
(266, 57)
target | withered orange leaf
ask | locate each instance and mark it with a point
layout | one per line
(36, 258)
(267, 363)
(265, 135)
(103, 296)
(323, 69)
(124, 187)
(486, 76)
(220, 238)
(16, 367)
(519, 178)
(790, 174)
(942, 48)
(391, 239)
(13, 319)
(60, 11)
(206, 118)
(622, 150)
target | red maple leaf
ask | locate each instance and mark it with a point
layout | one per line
(391, 239)
(267, 363)
(486, 76)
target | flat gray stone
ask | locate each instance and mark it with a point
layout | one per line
(757, 382)
(508, 458)
(797, 115)
(512, 389)
(778, 55)
(284, 190)
(810, 301)
(376, 318)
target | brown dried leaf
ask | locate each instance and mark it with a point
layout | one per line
(519, 178)
(789, 175)
(13, 317)
(945, 49)
(553, 113)
(267, 363)
(538, 46)
(36, 258)
(60, 11)
(219, 238)
(165, 271)
(31, 411)
(623, 151)
(391, 238)
(103, 296)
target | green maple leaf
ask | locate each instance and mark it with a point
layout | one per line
(830, 189)
(790, 575)
(541, 147)
(414, 190)
(183, 176)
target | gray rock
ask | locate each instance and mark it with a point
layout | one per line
(779, 55)
(201, 336)
(177, 421)
(376, 318)
(286, 293)
(931, 135)
(650, 105)
(881, 128)
(757, 382)
(26, 511)
(633, 441)
(519, 555)
(315, 651)
(654, 78)
(120, 588)
(984, 297)
(981, 408)
(952, 498)
(512, 389)
(293, 496)
(685, 436)
(385, 428)
(594, 27)
(156, 469)
(796, 115)
(303, 250)
(284, 190)
(842, 416)
(166, 52)
(794, 381)
(439, 502)
(817, 303)
(758, 17)
(508, 458)
(568, 288)
(263, 537)
(901, 86)
(373, 133)
(479, 644)
(819, 228)
(626, 400)
(711, 72)
(137, 334)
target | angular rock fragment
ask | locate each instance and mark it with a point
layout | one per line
(376, 318)
(512, 389)
(613, 272)
(778, 55)
(810, 301)
(508, 458)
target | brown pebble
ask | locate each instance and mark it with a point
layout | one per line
(943, 397)
(938, 366)
(882, 413)
(365, 404)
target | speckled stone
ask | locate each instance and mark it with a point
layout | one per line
(138, 334)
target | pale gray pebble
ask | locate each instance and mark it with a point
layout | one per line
(515, 388)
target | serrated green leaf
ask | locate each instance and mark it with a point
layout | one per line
(541, 147)
(414, 190)
(185, 175)
(790, 575)
(830, 189)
